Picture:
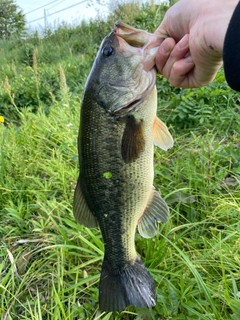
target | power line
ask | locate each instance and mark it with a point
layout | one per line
(41, 7)
(59, 11)
(55, 5)
(73, 5)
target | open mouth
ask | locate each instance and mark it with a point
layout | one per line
(138, 45)
(134, 37)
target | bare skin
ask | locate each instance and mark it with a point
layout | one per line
(191, 55)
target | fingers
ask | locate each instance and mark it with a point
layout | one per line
(181, 75)
(174, 62)
(163, 53)
(162, 32)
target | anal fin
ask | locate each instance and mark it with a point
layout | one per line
(161, 136)
(156, 211)
(81, 211)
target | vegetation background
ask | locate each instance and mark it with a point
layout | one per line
(49, 265)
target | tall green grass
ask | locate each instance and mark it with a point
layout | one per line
(49, 265)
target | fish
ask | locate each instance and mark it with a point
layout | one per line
(117, 133)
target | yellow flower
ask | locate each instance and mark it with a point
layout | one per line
(1, 119)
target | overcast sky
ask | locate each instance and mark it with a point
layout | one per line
(72, 15)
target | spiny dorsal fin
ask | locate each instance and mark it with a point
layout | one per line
(156, 211)
(162, 137)
(81, 211)
(133, 140)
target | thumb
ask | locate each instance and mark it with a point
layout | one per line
(162, 30)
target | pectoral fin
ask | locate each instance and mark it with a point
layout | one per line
(156, 211)
(81, 211)
(162, 137)
(133, 140)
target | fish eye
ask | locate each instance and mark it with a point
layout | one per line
(107, 51)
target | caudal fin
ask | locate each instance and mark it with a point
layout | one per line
(131, 286)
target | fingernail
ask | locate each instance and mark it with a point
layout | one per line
(183, 42)
(165, 48)
(188, 58)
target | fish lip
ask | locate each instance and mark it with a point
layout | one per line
(134, 37)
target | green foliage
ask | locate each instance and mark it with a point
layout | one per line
(208, 107)
(28, 51)
(40, 85)
(150, 16)
(12, 20)
(49, 265)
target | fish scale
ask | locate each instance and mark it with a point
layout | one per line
(133, 178)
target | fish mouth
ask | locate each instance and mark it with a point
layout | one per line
(139, 44)
(134, 37)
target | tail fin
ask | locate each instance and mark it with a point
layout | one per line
(131, 286)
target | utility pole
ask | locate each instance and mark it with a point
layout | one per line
(45, 18)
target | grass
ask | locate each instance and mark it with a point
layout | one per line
(50, 265)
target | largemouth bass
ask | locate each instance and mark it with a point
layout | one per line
(118, 130)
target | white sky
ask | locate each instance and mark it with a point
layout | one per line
(72, 15)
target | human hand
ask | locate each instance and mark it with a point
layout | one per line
(192, 54)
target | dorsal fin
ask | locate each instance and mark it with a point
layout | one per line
(161, 136)
(133, 140)
(81, 211)
(156, 211)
